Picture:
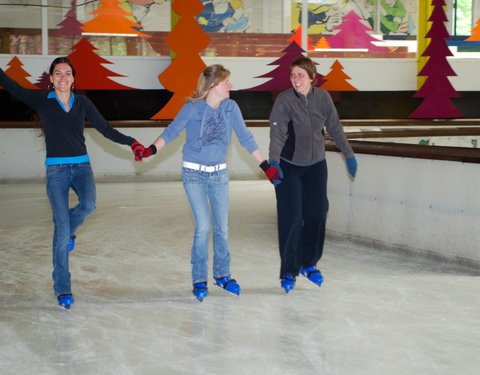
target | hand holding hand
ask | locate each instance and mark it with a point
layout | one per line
(272, 171)
(149, 151)
(352, 166)
(137, 149)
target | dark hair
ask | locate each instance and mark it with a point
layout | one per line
(211, 76)
(308, 65)
(60, 60)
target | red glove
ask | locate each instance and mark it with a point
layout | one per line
(270, 171)
(149, 151)
(137, 149)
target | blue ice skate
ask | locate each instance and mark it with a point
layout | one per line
(312, 274)
(200, 290)
(288, 282)
(71, 244)
(229, 284)
(66, 300)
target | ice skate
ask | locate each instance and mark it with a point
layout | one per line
(229, 284)
(312, 274)
(200, 290)
(66, 300)
(288, 283)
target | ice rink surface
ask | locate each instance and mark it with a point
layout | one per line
(378, 312)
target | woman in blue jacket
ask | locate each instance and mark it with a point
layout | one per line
(209, 117)
(63, 115)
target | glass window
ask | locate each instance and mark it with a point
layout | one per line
(462, 16)
(21, 27)
(235, 27)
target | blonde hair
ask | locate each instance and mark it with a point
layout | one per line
(211, 76)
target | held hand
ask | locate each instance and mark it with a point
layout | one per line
(272, 171)
(352, 166)
(137, 149)
(280, 173)
(149, 151)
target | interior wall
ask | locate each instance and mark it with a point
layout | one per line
(418, 206)
(366, 74)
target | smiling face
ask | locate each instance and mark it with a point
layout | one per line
(301, 82)
(62, 77)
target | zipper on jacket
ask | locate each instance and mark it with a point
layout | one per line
(311, 127)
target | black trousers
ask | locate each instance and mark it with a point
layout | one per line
(302, 207)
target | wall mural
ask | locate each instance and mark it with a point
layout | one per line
(224, 16)
(396, 16)
(351, 33)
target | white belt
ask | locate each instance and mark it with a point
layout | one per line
(204, 168)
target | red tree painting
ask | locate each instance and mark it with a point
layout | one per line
(17, 73)
(354, 34)
(43, 81)
(437, 89)
(187, 39)
(297, 38)
(336, 80)
(91, 74)
(280, 76)
(70, 24)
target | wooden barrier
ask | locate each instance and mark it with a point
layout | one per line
(355, 132)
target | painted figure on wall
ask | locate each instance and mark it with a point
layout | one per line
(396, 16)
(224, 16)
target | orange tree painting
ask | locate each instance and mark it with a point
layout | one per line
(475, 37)
(17, 73)
(111, 18)
(336, 80)
(187, 39)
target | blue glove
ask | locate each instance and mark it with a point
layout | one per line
(352, 166)
(280, 173)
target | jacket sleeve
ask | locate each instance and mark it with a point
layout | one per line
(335, 127)
(178, 124)
(29, 97)
(244, 135)
(99, 123)
(279, 119)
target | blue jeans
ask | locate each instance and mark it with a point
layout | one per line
(208, 191)
(60, 178)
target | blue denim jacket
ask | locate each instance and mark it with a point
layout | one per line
(209, 131)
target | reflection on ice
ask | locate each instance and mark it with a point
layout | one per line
(134, 313)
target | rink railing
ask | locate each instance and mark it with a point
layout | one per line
(361, 133)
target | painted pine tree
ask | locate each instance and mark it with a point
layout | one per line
(91, 74)
(187, 39)
(437, 89)
(280, 76)
(322, 43)
(43, 81)
(336, 79)
(297, 38)
(70, 24)
(111, 18)
(475, 37)
(17, 73)
(354, 34)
